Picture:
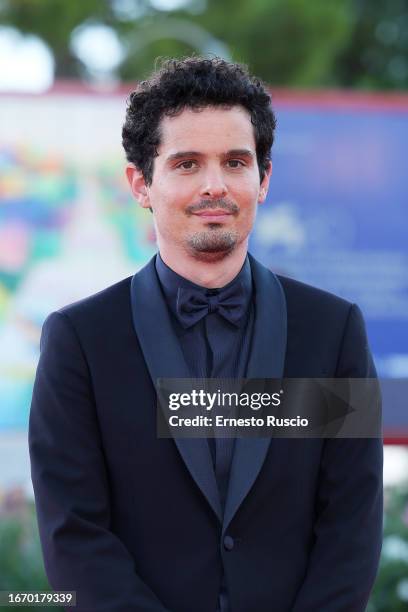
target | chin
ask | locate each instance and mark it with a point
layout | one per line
(213, 245)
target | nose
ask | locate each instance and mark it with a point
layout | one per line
(213, 185)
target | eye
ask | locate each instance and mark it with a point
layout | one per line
(235, 163)
(189, 164)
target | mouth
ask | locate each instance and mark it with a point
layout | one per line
(212, 216)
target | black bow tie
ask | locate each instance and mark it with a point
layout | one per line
(193, 304)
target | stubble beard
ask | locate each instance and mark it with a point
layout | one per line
(212, 245)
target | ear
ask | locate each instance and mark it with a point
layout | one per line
(138, 185)
(263, 191)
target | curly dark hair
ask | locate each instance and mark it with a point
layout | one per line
(194, 82)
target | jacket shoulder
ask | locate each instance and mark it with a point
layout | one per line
(307, 296)
(326, 333)
(110, 302)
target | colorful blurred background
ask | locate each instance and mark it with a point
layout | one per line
(336, 214)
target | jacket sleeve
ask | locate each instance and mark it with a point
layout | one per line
(348, 528)
(71, 486)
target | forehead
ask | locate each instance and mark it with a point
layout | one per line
(208, 130)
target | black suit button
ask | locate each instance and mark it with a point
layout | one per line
(228, 543)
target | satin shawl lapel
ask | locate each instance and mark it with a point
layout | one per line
(267, 357)
(164, 359)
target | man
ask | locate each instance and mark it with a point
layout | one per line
(132, 522)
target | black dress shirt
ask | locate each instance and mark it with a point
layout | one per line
(213, 348)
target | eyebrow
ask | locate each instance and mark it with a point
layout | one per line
(231, 152)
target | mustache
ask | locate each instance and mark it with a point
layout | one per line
(226, 205)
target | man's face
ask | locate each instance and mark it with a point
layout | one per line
(206, 186)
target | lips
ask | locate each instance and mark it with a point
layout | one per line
(213, 214)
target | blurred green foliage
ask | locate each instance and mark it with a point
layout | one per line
(390, 593)
(21, 564)
(292, 43)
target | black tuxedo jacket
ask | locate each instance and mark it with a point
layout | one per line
(133, 523)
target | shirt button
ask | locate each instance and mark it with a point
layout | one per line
(228, 543)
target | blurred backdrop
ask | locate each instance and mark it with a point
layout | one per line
(336, 214)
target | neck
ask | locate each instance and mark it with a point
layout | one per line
(210, 274)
